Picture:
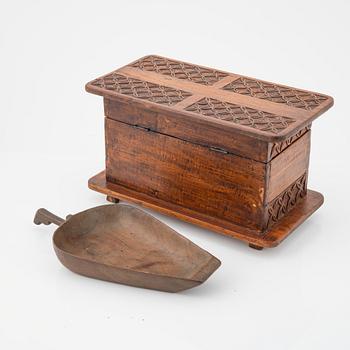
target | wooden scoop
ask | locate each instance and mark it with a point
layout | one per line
(122, 244)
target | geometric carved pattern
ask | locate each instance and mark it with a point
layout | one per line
(286, 201)
(275, 93)
(179, 70)
(278, 147)
(240, 115)
(141, 89)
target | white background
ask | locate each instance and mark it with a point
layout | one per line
(295, 296)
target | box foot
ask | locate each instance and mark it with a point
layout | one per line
(112, 199)
(256, 247)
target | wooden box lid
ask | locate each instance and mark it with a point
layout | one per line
(258, 109)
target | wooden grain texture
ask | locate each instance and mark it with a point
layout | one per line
(225, 186)
(122, 244)
(292, 163)
(221, 185)
(267, 111)
(271, 238)
(218, 148)
(275, 148)
(180, 126)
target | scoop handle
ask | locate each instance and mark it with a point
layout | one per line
(43, 216)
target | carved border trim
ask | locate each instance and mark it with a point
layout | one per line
(287, 200)
(279, 147)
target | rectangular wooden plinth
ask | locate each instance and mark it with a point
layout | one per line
(308, 205)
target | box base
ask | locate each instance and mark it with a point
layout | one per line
(271, 238)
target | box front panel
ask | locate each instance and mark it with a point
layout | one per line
(221, 185)
(200, 131)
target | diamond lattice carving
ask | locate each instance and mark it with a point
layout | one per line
(179, 70)
(275, 93)
(240, 115)
(287, 200)
(141, 89)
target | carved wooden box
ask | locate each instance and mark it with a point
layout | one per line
(220, 150)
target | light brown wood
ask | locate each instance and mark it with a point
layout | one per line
(224, 81)
(122, 244)
(220, 94)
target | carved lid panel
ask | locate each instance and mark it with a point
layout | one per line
(260, 109)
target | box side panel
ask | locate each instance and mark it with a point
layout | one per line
(275, 148)
(287, 179)
(199, 131)
(221, 185)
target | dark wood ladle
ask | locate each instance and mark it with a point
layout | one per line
(123, 244)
